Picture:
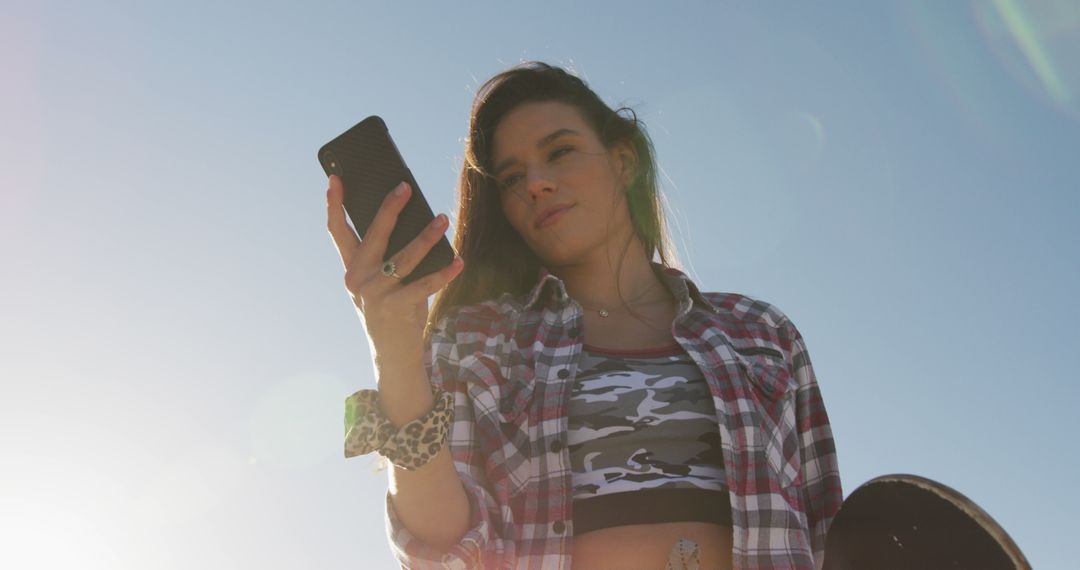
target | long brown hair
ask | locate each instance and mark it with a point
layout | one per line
(497, 259)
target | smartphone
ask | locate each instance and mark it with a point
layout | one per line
(370, 166)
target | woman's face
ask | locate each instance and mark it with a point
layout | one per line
(559, 187)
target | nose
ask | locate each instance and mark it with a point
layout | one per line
(539, 181)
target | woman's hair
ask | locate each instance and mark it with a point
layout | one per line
(497, 259)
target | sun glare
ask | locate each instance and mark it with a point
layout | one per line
(39, 534)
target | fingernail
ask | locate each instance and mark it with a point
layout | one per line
(400, 190)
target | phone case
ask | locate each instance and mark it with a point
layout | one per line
(370, 166)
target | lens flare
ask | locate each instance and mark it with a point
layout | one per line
(953, 52)
(1038, 40)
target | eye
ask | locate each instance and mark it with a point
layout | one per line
(509, 181)
(513, 179)
(559, 152)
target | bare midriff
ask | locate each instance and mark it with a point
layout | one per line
(647, 546)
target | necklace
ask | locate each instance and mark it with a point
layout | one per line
(604, 312)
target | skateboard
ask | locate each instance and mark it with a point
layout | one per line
(907, 522)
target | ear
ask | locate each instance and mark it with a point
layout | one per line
(626, 162)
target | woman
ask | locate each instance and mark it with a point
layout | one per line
(599, 411)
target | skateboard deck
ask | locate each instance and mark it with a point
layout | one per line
(907, 522)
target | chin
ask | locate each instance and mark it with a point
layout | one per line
(552, 254)
(564, 255)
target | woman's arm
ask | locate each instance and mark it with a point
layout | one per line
(821, 490)
(429, 501)
(421, 537)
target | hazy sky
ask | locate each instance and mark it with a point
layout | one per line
(176, 342)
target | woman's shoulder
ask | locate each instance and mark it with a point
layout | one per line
(746, 308)
(469, 328)
(734, 308)
(480, 316)
(753, 324)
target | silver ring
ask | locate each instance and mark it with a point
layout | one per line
(389, 269)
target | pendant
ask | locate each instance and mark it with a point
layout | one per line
(604, 312)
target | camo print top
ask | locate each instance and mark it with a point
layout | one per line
(640, 420)
(644, 442)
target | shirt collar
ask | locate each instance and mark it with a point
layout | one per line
(552, 289)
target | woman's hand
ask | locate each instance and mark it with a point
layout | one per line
(393, 314)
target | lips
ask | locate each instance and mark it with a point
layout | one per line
(549, 216)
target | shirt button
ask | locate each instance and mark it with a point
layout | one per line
(556, 446)
(559, 527)
(562, 373)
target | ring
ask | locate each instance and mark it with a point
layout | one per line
(389, 269)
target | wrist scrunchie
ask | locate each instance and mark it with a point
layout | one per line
(367, 429)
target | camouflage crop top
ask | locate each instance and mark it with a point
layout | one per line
(644, 441)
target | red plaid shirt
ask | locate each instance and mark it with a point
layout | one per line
(510, 364)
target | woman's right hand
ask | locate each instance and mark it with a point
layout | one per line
(394, 314)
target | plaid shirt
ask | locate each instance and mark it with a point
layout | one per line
(510, 364)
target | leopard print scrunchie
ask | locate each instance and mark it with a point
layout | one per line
(367, 429)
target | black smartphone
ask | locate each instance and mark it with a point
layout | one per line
(370, 166)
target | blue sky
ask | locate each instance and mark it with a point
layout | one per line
(176, 342)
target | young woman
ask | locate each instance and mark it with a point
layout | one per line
(571, 399)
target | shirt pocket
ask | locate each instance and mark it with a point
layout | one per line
(767, 371)
(504, 425)
(771, 379)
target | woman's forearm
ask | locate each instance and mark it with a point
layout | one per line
(430, 500)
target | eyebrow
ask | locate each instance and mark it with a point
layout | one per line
(539, 144)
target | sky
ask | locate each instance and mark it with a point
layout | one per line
(176, 342)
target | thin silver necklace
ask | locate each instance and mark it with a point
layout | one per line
(604, 312)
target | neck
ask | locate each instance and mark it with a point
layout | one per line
(600, 281)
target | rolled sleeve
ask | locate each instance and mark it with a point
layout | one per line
(473, 551)
(821, 491)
